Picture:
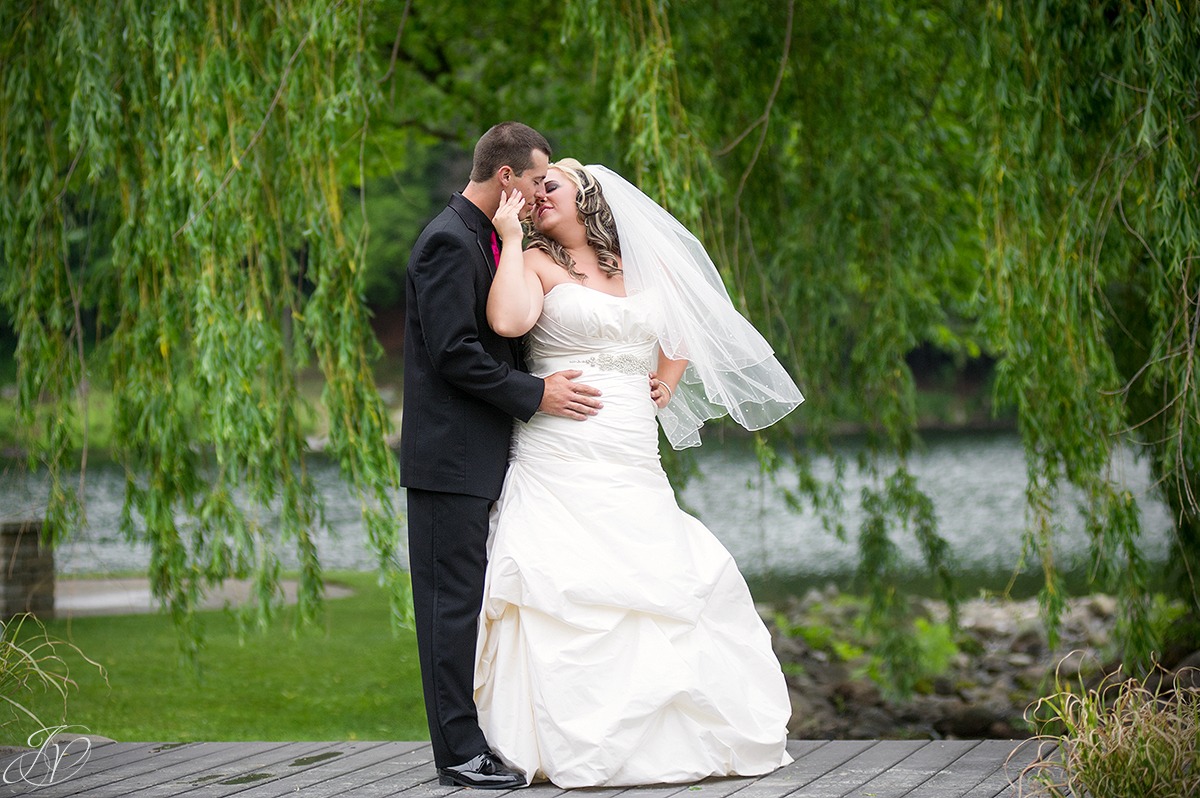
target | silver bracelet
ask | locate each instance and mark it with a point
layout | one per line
(670, 393)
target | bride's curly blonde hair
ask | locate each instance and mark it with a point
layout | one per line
(598, 225)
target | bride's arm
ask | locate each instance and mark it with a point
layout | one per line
(515, 300)
(668, 374)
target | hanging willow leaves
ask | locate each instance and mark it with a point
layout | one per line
(1017, 178)
(1011, 179)
(821, 154)
(206, 139)
(1091, 120)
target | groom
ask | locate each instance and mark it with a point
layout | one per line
(463, 385)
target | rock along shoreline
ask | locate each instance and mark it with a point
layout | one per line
(1003, 665)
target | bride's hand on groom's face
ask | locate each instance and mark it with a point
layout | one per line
(564, 397)
(507, 220)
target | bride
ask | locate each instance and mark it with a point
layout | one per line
(618, 642)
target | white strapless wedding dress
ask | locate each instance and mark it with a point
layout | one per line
(618, 642)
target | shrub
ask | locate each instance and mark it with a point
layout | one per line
(1121, 738)
(929, 646)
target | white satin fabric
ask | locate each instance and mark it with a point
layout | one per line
(618, 642)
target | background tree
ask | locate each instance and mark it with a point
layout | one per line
(208, 138)
(1006, 180)
(822, 151)
(1019, 178)
(1090, 116)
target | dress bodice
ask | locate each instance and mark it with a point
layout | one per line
(611, 341)
(582, 327)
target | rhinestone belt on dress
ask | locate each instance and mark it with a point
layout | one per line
(623, 364)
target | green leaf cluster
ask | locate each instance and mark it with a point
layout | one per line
(1016, 180)
(1089, 117)
(215, 190)
(928, 651)
(197, 146)
(823, 152)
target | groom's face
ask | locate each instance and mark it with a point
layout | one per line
(529, 182)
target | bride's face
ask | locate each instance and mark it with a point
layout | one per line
(556, 212)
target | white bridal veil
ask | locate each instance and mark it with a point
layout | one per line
(731, 368)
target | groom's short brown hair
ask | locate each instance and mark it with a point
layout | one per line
(506, 144)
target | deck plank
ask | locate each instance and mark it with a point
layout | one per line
(1002, 782)
(410, 774)
(32, 767)
(166, 766)
(855, 772)
(911, 775)
(223, 775)
(254, 775)
(353, 772)
(708, 788)
(970, 770)
(119, 761)
(809, 766)
(822, 769)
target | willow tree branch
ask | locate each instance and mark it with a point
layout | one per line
(396, 46)
(235, 167)
(764, 120)
(766, 114)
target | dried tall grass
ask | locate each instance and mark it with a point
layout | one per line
(1121, 738)
(31, 660)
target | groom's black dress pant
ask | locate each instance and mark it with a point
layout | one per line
(447, 551)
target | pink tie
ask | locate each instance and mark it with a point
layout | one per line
(495, 250)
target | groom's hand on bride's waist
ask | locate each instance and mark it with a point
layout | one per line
(564, 397)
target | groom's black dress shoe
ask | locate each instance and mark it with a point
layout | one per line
(484, 772)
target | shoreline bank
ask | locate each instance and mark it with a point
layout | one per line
(1002, 665)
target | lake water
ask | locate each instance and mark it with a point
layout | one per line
(976, 480)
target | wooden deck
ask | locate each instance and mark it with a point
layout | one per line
(823, 769)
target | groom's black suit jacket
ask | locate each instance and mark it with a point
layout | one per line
(462, 382)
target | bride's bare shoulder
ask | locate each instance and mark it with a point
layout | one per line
(548, 271)
(540, 263)
(537, 258)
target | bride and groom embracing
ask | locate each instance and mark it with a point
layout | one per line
(572, 622)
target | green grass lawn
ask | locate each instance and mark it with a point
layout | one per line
(350, 679)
